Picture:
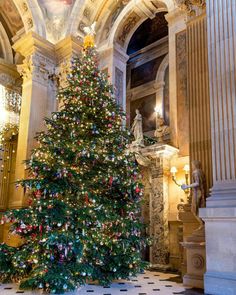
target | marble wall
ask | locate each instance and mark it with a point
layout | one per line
(182, 99)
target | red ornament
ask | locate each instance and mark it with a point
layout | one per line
(110, 180)
(137, 190)
(38, 194)
(86, 199)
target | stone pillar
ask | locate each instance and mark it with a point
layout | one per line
(176, 24)
(38, 65)
(198, 94)
(114, 61)
(65, 50)
(158, 166)
(220, 214)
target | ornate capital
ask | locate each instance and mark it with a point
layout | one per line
(62, 72)
(36, 67)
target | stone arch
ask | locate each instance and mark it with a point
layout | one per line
(160, 77)
(132, 16)
(5, 45)
(160, 82)
(76, 17)
(31, 16)
(80, 16)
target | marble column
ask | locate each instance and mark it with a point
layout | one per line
(220, 214)
(156, 159)
(198, 94)
(37, 100)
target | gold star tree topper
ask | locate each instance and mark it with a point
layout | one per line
(89, 39)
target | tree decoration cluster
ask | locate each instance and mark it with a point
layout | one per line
(83, 218)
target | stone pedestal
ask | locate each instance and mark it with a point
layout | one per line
(156, 158)
(196, 259)
(220, 223)
(189, 224)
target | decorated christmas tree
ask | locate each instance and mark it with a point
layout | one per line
(82, 222)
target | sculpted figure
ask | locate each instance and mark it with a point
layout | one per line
(162, 129)
(198, 187)
(137, 129)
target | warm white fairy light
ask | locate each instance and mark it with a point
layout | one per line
(9, 106)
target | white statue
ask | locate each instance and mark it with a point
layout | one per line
(137, 129)
(90, 30)
(162, 129)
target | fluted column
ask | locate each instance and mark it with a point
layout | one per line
(198, 94)
(220, 214)
(221, 16)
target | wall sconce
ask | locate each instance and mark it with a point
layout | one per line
(186, 169)
(173, 171)
(158, 111)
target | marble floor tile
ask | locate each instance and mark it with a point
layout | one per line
(149, 283)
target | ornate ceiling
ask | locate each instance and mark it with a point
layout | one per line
(116, 20)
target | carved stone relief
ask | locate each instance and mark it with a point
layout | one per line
(36, 67)
(198, 261)
(112, 18)
(119, 77)
(156, 205)
(182, 98)
(127, 27)
(11, 16)
(190, 6)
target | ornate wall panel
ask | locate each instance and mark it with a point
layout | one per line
(119, 77)
(182, 99)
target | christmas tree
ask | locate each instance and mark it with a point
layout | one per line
(82, 222)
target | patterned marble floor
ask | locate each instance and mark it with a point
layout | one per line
(150, 283)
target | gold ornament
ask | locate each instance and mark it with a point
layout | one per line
(89, 40)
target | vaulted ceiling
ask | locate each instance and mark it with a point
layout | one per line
(10, 18)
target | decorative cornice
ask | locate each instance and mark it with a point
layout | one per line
(68, 47)
(31, 43)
